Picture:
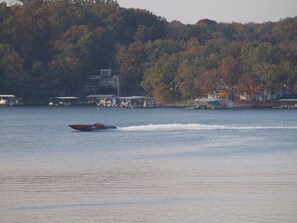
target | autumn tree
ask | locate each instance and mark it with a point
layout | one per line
(230, 70)
(248, 84)
(50, 48)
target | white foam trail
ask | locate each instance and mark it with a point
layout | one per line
(196, 127)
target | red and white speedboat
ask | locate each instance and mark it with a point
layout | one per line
(93, 127)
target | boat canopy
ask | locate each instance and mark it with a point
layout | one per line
(3, 96)
(69, 100)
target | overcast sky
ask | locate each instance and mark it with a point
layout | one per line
(243, 11)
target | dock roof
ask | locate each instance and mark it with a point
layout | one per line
(7, 96)
(206, 99)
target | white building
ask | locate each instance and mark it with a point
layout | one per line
(104, 79)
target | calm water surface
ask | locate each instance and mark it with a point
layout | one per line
(160, 165)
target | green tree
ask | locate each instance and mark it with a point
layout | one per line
(270, 76)
(73, 61)
(184, 79)
(130, 67)
(159, 80)
(11, 71)
(290, 77)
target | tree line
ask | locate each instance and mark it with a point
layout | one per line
(50, 48)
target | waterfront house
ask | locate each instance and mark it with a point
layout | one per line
(106, 79)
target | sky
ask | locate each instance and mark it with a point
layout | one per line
(242, 11)
(191, 11)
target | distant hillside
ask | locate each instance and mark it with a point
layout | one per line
(50, 48)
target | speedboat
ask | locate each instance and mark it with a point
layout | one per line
(92, 127)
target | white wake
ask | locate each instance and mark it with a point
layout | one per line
(197, 127)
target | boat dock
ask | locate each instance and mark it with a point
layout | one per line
(10, 100)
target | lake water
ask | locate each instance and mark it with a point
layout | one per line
(161, 165)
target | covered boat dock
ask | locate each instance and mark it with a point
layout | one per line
(103, 100)
(10, 99)
(137, 102)
(288, 103)
(123, 102)
(58, 101)
(210, 103)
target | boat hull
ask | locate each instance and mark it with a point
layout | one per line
(93, 127)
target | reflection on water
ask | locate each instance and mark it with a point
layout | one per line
(249, 189)
(192, 171)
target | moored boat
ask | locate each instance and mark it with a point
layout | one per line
(91, 127)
